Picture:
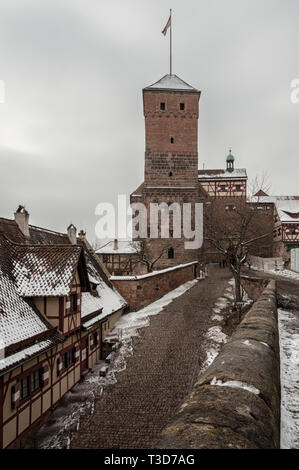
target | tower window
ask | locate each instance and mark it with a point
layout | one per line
(170, 253)
(182, 106)
(162, 106)
(170, 174)
(171, 140)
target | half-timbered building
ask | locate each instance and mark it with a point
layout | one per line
(120, 257)
(56, 308)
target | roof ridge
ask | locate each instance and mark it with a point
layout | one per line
(41, 245)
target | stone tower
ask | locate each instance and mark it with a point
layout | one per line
(171, 158)
(171, 132)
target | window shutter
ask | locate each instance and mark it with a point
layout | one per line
(15, 396)
(45, 376)
(77, 353)
(59, 366)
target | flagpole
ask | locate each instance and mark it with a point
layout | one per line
(170, 36)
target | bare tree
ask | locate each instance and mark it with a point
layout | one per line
(235, 227)
(144, 256)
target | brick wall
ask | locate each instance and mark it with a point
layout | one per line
(140, 291)
(171, 138)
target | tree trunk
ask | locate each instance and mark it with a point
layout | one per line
(238, 293)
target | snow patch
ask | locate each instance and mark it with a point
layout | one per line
(235, 384)
(289, 375)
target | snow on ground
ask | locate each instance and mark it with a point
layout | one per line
(280, 272)
(79, 402)
(289, 374)
(215, 336)
(285, 273)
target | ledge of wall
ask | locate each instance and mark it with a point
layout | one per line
(236, 402)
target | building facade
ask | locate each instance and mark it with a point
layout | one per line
(56, 309)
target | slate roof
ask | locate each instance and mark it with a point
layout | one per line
(171, 82)
(44, 265)
(42, 270)
(23, 330)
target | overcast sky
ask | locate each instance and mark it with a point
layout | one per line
(72, 126)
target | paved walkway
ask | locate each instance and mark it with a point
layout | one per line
(166, 361)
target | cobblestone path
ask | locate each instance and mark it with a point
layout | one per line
(166, 361)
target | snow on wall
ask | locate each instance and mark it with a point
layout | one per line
(289, 375)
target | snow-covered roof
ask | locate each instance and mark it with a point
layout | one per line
(237, 173)
(124, 247)
(171, 82)
(23, 330)
(107, 302)
(288, 209)
(89, 304)
(18, 320)
(43, 270)
(25, 354)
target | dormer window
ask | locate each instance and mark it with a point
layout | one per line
(182, 106)
(162, 106)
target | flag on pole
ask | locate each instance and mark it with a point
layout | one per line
(168, 24)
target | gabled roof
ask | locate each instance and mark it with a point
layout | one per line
(23, 330)
(171, 82)
(125, 247)
(42, 270)
(220, 174)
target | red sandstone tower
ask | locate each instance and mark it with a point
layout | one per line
(171, 133)
(171, 157)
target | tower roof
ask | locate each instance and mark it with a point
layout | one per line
(171, 82)
(230, 157)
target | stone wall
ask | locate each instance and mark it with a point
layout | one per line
(140, 291)
(253, 286)
(236, 402)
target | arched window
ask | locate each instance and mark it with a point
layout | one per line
(170, 253)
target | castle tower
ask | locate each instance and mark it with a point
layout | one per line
(171, 132)
(171, 158)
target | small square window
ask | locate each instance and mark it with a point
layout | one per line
(222, 188)
(162, 106)
(182, 106)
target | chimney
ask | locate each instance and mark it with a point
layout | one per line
(115, 247)
(22, 220)
(82, 235)
(72, 234)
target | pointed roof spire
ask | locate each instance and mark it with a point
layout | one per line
(171, 82)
